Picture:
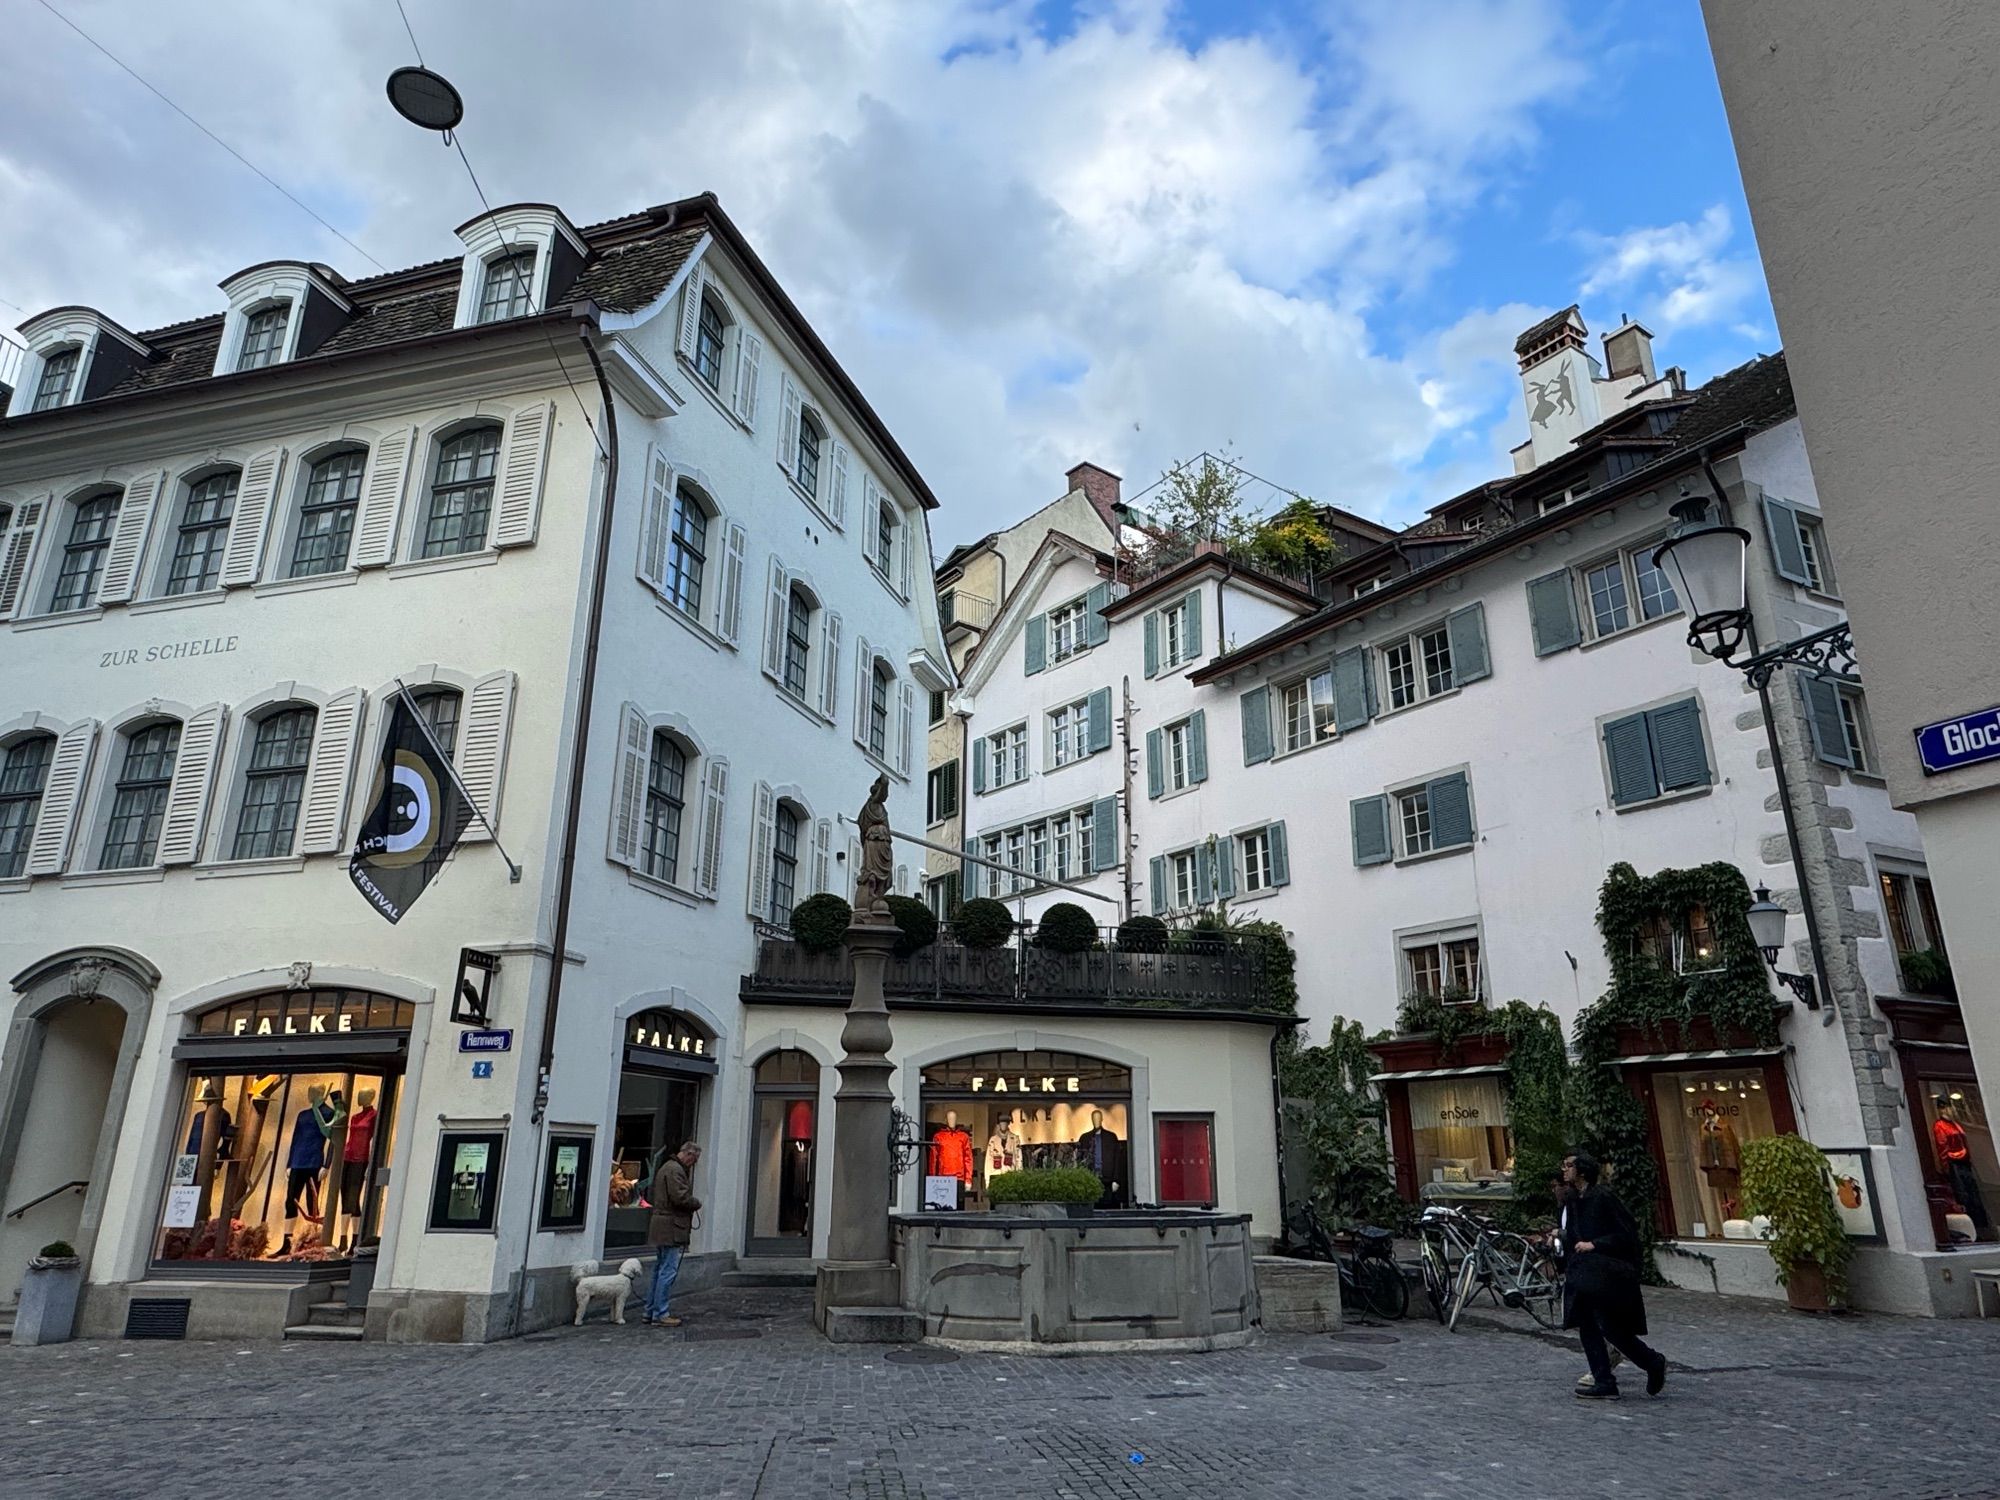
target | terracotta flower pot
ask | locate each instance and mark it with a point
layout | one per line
(1805, 1287)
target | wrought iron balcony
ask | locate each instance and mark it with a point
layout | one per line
(1202, 971)
(958, 610)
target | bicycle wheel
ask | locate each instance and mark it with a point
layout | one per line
(1384, 1292)
(1437, 1277)
(1527, 1279)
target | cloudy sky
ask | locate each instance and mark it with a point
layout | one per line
(1034, 232)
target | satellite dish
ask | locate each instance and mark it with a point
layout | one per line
(425, 98)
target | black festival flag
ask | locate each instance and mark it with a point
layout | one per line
(416, 816)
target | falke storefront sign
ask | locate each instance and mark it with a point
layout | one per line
(1964, 741)
(981, 1084)
(130, 656)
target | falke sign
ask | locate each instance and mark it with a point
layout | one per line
(1964, 741)
(982, 1084)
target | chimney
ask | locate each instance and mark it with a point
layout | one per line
(1100, 488)
(1559, 381)
(1628, 350)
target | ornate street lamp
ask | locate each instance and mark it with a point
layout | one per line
(1706, 564)
(1767, 930)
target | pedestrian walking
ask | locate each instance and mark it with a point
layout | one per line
(671, 1228)
(1601, 1300)
(1564, 1196)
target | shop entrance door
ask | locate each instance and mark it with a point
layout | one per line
(669, 1058)
(784, 1146)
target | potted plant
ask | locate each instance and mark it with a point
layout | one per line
(47, 1312)
(1066, 928)
(1047, 1192)
(1786, 1178)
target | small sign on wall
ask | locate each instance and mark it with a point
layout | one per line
(183, 1203)
(1962, 741)
(941, 1192)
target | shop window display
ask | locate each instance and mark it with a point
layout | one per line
(998, 1112)
(1186, 1145)
(1706, 1116)
(668, 1059)
(1460, 1135)
(782, 1163)
(1962, 1146)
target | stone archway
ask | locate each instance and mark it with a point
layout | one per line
(65, 1078)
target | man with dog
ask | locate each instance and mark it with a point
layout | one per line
(671, 1228)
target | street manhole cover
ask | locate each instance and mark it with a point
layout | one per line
(1844, 1377)
(1363, 1336)
(921, 1356)
(1341, 1362)
(717, 1335)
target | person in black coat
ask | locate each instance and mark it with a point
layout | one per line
(1601, 1301)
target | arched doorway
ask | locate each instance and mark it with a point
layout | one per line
(784, 1150)
(669, 1059)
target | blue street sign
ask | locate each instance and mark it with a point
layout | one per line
(1963, 741)
(483, 1068)
(486, 1041)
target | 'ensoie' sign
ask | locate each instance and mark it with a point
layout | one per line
(1963, 741)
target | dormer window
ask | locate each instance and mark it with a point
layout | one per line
(264, 336)
(509, 288)
(58, 374)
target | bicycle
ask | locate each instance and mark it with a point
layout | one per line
(1370, 1279)
(1511, 1269)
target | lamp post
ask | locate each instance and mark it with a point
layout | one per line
(1707, 562)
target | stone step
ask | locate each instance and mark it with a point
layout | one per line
(325, 1332)
(335, 1315)
(873, 1325)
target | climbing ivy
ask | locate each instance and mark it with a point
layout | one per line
(1337, 1125)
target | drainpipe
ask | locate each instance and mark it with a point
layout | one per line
(1125, 755)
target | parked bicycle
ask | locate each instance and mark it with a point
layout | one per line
(1462, 1255)
(1370, 1279)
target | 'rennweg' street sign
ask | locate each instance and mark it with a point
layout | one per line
(1965, 740)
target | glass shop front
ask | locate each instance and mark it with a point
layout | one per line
(669, 1060)
(991, 1113)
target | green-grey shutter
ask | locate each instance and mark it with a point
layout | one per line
(1351, 697)
(1154, 781)
(1628, 750)
(1281, 861)
(1552, 612)
(1198, 746)
(972, 871)
(1096, 629)
(1451, 811)
(1467, 631)
(1369, 817)
(1104, 834)
(1255, 707)
(1829, 730)
(1204, 874)
(979, 764)
(1191, 646)
(1037, 635)
(1159, 881)
(1224, 862)
(1679, 756)
(1788, 548)
(1098, 712)
(1153, 644)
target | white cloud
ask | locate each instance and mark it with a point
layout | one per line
(1681, 273)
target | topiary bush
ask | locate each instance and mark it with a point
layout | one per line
(982, 922)
(919, 925)
(1066, 928)
(820, 923)
(1786, 1177)
(1143, 935)
(1046, 1185)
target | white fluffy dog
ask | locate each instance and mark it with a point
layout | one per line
(613, 1289)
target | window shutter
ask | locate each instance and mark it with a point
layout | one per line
(62, 791)
(1451, 811)
(1552, 613)
(729, 609)
(128, 540)
(864, 681)
(1788, 548)
(1155, 780)
(628, 789)
(1281, 859)
(1204, 874)
(481, 752)
(1678, 753)
(906, 721)
(973, 873)
(1466, 629)
(836, 492)
(194, 779)
(1158, 871)
(979, 765)
(822, 865)
(20, 546)
(243, 555)
(323, 805)
(1222, 863)
(1153, 643)
(1254, 707)
(382, 498)
(1096, 629)
(763, 832)
(1628, 751)
(656, 519)
(749, 362)
(1369, 817)
(1036, 636)
(1192, 646)
(1104, 834)
(908, 529)
(829, 678)
(776, 599)
(1352, 705)
(517, 502)
(1097, 711)
(1198, 746)
(788, 426)
(690, 329)
(1829, 730)
(714, 807)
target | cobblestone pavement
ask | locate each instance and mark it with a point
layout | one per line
(745, 1403)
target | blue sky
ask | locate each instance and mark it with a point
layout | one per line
(1036, 231)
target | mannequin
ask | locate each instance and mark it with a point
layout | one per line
(354, 1154)
(951, 1150)
(1955, 1158)
(1003, 1149)
(1101, 1151)
(308, 1155)
(1721, 1158)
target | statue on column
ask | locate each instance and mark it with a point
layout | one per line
(873, 881)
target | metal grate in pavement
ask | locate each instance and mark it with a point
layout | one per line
(1341, 1362)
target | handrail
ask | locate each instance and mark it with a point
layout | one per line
(52, 1192)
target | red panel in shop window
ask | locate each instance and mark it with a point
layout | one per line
(1187, 1161)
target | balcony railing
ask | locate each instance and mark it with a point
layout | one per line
(1206, 971)
(958, 608)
